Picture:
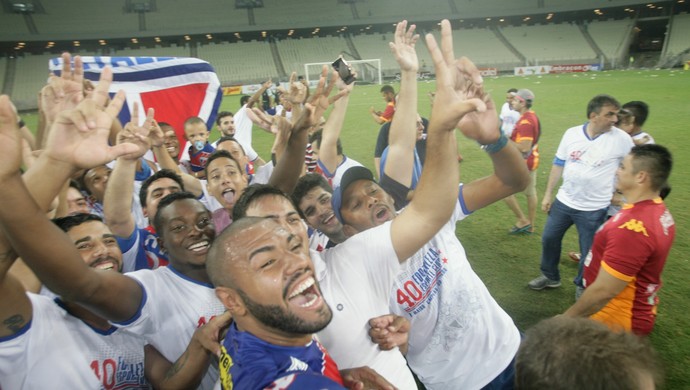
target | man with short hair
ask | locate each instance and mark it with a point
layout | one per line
(508, 115)
(388, 95)
(226, 124)
(270, 343)
(526, 137)
(336, 279)
(167, 301)
(312, 196)
(454, 320)
(640, 112)
(587, 159)
(563, 353)
(622, 274)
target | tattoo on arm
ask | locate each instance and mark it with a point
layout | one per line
(14, 323)
(177, 366)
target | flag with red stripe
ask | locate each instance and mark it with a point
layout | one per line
(177, 88)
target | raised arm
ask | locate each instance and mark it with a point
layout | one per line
(328, 151)
(15, 306)
(77, 138)
(403, 131)
(437, 191)
(117, 201)
(165, 160)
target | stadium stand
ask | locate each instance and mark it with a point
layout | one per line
(31, 75)
(371, 46)
(484, 48)
(296, 52)
(551, 43)
(612, 37)
(240, 62)
(680, 31)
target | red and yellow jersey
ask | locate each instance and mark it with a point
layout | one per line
(387, 114)
(528, 128)
(633, 247)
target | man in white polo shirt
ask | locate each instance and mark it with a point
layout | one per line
(587, 159)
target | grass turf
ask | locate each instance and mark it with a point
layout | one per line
(506, 263)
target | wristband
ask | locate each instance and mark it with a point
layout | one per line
(496, 146)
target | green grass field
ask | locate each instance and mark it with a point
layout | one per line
(506, 263)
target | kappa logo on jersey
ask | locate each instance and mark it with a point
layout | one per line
(224, 365)
(177, 88)
(635, 226)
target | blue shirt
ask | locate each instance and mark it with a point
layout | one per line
(247, 362)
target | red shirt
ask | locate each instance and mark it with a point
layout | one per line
(527, 128)
(387, 115)
(633, 247)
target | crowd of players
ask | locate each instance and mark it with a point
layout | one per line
(214, 268)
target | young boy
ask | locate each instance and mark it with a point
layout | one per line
(196, 133)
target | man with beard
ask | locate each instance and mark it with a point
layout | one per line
(264, 276)
(165, 306)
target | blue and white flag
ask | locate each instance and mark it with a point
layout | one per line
(177, 88)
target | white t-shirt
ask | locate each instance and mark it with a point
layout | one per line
(355, 278)
(173, 307)
(59, 351)
(509, 118)
(640, 136)
(460, 338)
(318, 240)
(335, 177)
(243, 132)
(590, 166)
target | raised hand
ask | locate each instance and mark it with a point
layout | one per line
(320, 99)
(64, 92)
(137, 135)
(403, 47)
(156, 136)
(297, 91)
(10, 139)
(79, 137)
(458, 87)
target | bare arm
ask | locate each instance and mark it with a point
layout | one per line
(117, 201)
(436, 194)
(15, 306)
(190, 368)
(523, 146)
(77, 139)
(554, 178)
(597, 295)
(376, 116)
(403, 131)
(328, 152)
(165, 160)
